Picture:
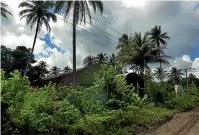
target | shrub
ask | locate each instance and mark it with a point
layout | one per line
(157, 92)
(13, 90)
(85, 101)
(186, 102)
(124, 95)
(52, 110)
(42, 113)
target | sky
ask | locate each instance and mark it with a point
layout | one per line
(180, 19)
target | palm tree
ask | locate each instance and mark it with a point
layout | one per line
(101, 58)
(79, 9)
(123, 40)
(4, 11)
(36, 13)
(139, 51)
(112, 60)
(67, 68)
(55, 70)
(158, 38)
(89, 61)
(42, 64)
(176, 74)
(159, 74)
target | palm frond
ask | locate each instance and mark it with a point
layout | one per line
(4, 11)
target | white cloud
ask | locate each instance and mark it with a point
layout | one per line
(58, 59)
(180, 63)
(185, 62)
(169, 15)
(195, 64)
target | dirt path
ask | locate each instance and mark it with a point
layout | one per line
(186, 123)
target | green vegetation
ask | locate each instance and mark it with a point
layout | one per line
(109, 106)
(53, 110)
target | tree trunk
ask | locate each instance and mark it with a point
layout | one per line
(141, 91)
(33, 46)
(74, 46)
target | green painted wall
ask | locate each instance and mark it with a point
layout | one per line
(86, 76)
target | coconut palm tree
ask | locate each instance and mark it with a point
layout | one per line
(176, 74)
(36, 13)
(139, 51)
(89, 61)
(67, 68)
(43, 68)
(159, 38)
(79, 9)
(55, 70)
(112, 60)
(123, 40)
(42, 64)
(4, 11)
(101, 58)
(159, 74)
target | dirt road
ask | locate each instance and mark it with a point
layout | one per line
(186, 123)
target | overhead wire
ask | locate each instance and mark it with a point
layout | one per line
(99, 29)
(88, 30)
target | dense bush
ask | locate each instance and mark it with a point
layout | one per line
(157, 92)
(52, 110)
(186, 102)
(122, 121)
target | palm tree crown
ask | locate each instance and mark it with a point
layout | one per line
(158, 37)
(112, 60)
(101, 58)
(139, 51)
(89, 60)
(79, 7)
(55, 70)
(160, 74)
(176, 74)
(42, 64)
(4, 11)
(67, 68)
(123, 40)
(37, 12)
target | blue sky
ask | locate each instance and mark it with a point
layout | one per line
(195, 53)
(178, 18)
(49, 45)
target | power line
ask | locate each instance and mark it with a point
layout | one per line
(106, 25)
(94, 31)
(100, 29)
(88, 31)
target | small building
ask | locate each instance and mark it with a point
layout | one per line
(84, 77)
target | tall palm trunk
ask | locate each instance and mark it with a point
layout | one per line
(141, 91)
(33, 46)
(158, 45)
(74, 46)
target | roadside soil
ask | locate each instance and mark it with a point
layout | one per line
(185, 123)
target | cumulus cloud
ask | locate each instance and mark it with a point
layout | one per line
(185, 62)
(179, 19)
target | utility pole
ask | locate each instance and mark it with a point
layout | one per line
(186, 76)
(186, 73)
